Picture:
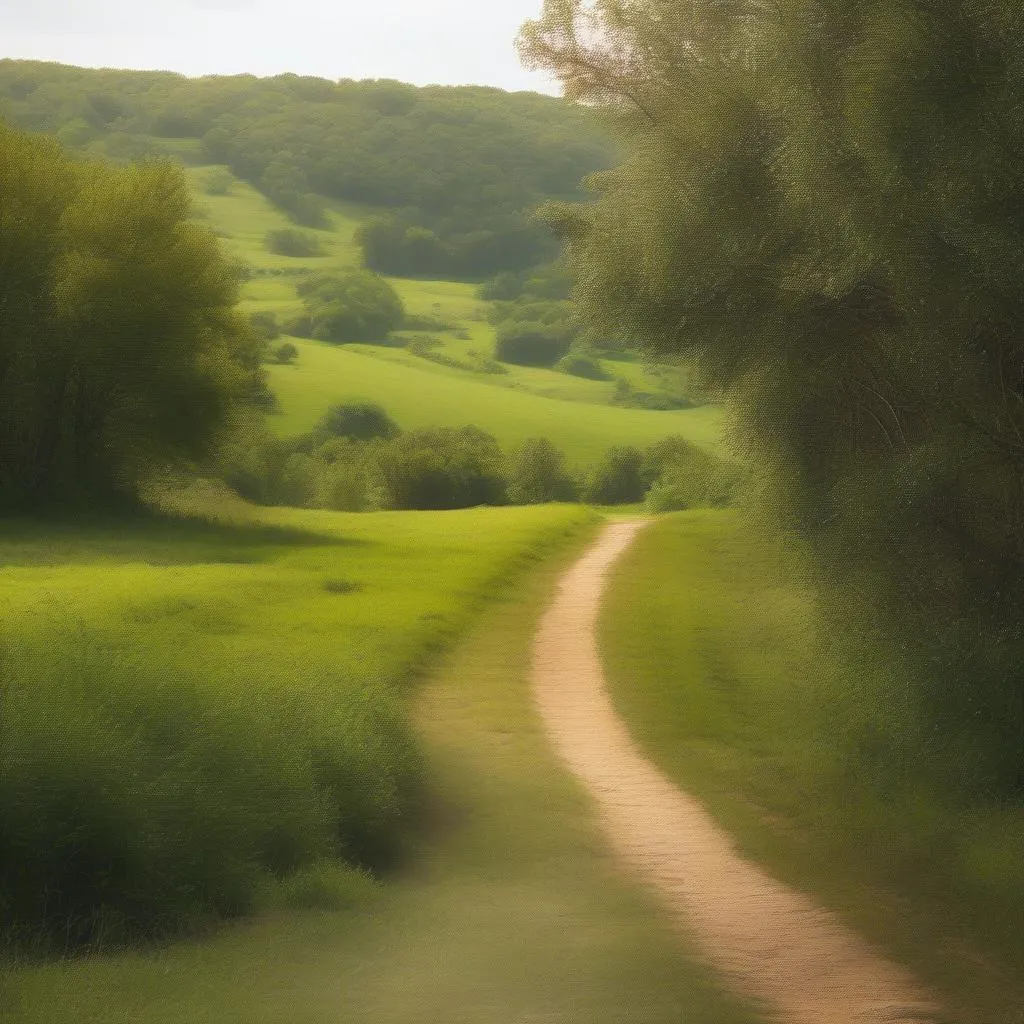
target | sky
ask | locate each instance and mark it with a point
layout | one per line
(448, 42)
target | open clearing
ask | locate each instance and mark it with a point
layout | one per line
(511, 910)
(324, 374)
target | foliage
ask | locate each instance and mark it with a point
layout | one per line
(551, 282)
(581, 362)
(633, 398)
(820, 205)
(443, 468)
(291, 242)
(265, 324)
(357, 459)
(351, 305)
(616, 479)
(286, 354)
(537, 473)
(359, 421)
(526, 343)
(454, 169)
(100, 746)
(121, 351)
(218, 182)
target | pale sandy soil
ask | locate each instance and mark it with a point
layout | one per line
(771, 942)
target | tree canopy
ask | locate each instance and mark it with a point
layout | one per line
(820, 202)
(454, 171)
(121, 350)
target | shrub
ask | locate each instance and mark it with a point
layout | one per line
(616, 479)
(286, 354)
(581, 363)
(530, 344)
(292, 242)
(350, 484)
(537, 473)
(359, 421)
(218, 182)
(356, 305)
(422, 344)
(442, 468)
(680, 475)
(300, 326)
(328, 885)
(265, 324)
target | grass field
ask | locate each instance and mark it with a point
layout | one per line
(327, 373)
(428, 393)
(709, 656)
(258, 662)
(512, 908)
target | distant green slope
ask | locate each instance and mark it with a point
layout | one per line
(524, 402)
(326, 373)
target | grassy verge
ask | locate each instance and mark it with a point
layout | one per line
(511, 909)
(711, 661)
(192, 708)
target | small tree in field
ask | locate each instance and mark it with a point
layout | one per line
(355, 305)
(359, 421)
(286, 354)
(537, 473)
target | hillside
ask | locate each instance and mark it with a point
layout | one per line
(455, 170)
(522, 402)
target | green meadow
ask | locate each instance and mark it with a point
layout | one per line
(207, 699)
(708, 645)
(324, 374)
(509, 907)
(522, 402)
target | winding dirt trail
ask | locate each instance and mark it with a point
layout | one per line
(770, 941)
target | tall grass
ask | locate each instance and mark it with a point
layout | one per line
(138, 797)
(189, 714)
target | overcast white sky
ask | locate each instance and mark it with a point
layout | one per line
(452, 42)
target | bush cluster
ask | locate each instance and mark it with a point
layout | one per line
(357, 459)
(582, 362)
(138, 800)
(292, 242)
(352, 305)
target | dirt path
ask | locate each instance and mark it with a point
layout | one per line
(769, 940)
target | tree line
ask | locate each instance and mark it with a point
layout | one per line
(455, 171)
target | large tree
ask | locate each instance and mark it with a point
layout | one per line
(121, 350)
(821, 204)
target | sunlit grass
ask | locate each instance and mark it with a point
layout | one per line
(325, 374)
(243, 219)
(511, 909)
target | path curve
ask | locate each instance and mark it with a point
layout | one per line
(772, 942)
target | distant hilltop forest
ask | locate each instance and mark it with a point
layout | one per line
(452, 173)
